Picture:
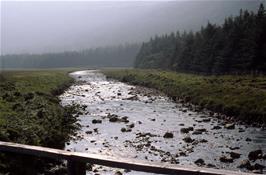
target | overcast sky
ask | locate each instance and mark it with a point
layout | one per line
(38, 27)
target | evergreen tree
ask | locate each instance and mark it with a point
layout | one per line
(237, 46)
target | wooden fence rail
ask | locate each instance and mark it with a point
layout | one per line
(77, 161)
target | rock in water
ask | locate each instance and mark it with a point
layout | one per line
(168, 135)
(186, 130)
(188, 139)
(258, 166)
(245, 164)
(123, 129)
(235, 155)
(199, 162)
(199, 131)
(254, 155)
(94, 121)
(230, 126)
(226, 159)
(216, 127)
(118, 173)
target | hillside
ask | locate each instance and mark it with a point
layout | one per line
(236, 46)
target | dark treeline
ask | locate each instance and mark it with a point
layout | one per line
(236, 46)
(123, 55)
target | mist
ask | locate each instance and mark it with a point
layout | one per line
(47, 27)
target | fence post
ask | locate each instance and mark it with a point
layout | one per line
(76, 168)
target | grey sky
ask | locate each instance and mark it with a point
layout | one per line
(37, 27)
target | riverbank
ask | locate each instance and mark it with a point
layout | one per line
(238, 97)
(31, 113)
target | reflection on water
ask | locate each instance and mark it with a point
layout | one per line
(149, 115)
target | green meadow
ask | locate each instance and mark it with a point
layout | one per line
(31, 112)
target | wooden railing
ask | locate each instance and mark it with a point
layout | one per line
(76, 161)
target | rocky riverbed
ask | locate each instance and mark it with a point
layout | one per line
(135, 122)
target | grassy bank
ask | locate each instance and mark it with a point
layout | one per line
(243, 97)
(30, 112)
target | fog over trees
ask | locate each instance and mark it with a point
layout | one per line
(68, 34)
(115, 56)
(236, 46)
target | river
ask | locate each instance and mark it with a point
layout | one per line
(122, 120)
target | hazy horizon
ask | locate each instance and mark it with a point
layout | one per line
(45, 27)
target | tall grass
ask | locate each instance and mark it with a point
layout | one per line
(242, 97)
(30, 113)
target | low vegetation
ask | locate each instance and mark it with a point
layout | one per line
(31, 113)
(242, 97)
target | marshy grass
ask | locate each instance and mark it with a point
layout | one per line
(242, 97)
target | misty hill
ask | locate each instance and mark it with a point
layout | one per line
(238, 45)
(112, 56)
(49, 26)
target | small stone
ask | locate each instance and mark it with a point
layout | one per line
(132, 125)
(209, 165)
(182, 153)
(88, 132)
(235, 155)
(203, 141)
(118, 173)
(94, 121)
(226, 159)
(188, 139)
(254, 155)
(245, 164)
(230, 126)
(234, 148)
(241, 130)
(168, 135)
(216, 127)
(133, 98)
(248, 139)
(258, 166)
(113, 119)
(199, 162)
(206, 120)
(126, 130)
(199, 131)
(186, 130)
(124, 119)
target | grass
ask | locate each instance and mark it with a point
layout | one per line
(240, 97)
(30, 112)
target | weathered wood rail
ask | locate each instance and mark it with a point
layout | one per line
(77, 161)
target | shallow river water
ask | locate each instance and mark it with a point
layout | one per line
(145, 116)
